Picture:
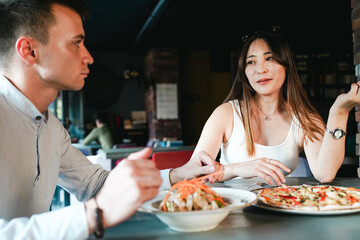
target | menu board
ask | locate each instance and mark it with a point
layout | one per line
(166, 101)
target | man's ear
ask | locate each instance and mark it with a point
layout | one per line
(25, 49)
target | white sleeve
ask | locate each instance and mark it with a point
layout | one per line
(66, 223)
(165, 175)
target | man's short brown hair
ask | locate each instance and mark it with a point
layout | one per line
(31, 18)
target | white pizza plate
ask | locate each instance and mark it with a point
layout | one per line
(197, 221)
(305, 212)
(259, 204)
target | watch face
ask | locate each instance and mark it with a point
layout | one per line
(338, 133)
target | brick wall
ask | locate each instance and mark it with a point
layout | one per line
(355, 18)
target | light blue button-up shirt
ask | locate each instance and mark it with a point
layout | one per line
(35, 155)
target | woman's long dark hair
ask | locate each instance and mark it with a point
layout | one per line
(292, 89)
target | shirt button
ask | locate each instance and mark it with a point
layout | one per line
(38, 118)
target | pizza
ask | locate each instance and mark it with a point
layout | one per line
(311, 198)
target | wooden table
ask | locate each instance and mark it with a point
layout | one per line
(252, 223)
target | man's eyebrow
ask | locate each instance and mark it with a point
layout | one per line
(80, 36)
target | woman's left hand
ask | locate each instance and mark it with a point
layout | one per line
(347, 101)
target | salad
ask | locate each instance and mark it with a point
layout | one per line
(191, 195)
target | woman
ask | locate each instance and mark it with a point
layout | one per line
(267, 118)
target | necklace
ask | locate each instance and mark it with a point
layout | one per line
(268, 117)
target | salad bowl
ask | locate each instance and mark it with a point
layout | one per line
(201, 220)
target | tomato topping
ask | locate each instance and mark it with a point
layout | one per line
(289, 197)
(322, 196)
(296, 203)
(352, 199)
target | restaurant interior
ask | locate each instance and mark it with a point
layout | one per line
(191, 46)
(161, 67)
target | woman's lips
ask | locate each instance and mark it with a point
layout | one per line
(263, 81)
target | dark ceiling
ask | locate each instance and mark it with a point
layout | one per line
(309, 25)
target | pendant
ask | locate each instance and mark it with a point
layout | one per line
(268, 118)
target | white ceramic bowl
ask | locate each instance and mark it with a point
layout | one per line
(197, 221)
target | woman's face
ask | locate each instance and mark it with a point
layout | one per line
(266, 76)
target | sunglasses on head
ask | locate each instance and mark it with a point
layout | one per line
(274, 29)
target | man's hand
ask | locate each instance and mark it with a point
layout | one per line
(133, 181)
(201, 164)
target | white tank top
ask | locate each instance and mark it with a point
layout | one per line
(234, 150)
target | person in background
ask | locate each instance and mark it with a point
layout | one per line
(267, 119)
(42, 52)
(73, 130)
(101, 133)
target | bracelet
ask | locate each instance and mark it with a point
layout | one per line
(99, 227)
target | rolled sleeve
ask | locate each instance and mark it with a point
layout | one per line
(66, 223)
(165, 175)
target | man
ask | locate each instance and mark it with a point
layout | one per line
(42, 52)
(102, 132)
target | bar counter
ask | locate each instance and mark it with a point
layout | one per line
(252, 223)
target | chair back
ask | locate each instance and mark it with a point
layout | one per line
(173, 159)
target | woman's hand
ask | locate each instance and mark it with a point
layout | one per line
(347, 101)
(264, 168)
(198, 165)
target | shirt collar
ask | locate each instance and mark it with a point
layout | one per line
(18, 99)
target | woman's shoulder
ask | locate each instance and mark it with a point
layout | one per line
(222, 114)
(232, 118)
(225, 109)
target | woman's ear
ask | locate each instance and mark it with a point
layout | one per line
(25, 50)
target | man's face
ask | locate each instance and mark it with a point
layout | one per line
(63, 61)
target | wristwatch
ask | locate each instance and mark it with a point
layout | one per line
(336, 133)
